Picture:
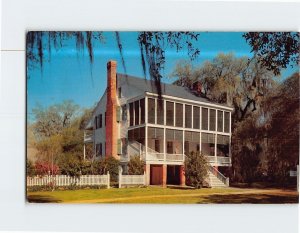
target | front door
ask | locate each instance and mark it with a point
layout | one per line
(156, 174)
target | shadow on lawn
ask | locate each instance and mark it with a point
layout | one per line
(41, 199)
(249, 199)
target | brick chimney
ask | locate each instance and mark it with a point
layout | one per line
(111, 110)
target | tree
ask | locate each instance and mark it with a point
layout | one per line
(275, 50)
(195, 169)
(54, 119)
(136, 166)
(30, 171)
(237, 82)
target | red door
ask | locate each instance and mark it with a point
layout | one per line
(156, 174)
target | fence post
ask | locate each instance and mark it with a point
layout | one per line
(145, 178)
(227, 181)
(108, 180)
(120, 177)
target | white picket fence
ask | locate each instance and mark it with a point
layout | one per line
(131, 179)
(63, 180)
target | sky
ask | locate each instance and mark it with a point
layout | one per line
(69, 75)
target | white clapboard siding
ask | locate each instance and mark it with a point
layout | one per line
(63, 180)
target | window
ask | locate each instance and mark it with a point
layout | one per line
(131, 117)
(151, 110)
(119, 92)
(179, 115)
(100, 120)
(212, 119)
(160, 112)
(226, 122)
(188, 116)
(170, 113)
(220, 121)
(137, 112)
(196, 117)
(142, 109)
(205, 118)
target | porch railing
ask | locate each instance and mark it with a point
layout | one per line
(88, 136)
(218, 160)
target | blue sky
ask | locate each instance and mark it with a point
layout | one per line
(70, 76)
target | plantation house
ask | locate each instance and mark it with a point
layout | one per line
(131, 119)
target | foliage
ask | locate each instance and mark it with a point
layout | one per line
(265, 146)
(275, 50)
(238, 82)
(69, 165)
(136, 166)
(111, 165)
(44, 168)
(54, 119)
(30, 171)
(195, 169)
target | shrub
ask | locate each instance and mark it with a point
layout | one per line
(136, 166)
(30, 171)
(112, 165)
(195, 169)
(45, 168)
(69, 165)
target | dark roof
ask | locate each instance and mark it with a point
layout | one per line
(146, 85)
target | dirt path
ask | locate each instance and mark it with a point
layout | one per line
(120, 199)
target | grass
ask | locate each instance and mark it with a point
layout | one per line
(166, 195)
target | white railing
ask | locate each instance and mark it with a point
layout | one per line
(63, 180)
(155, 156)
(218, 160)
(175, 157)
(131, 179)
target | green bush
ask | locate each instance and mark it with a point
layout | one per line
(112, 165)
(195, 169)
(136, 166)
(69, 187)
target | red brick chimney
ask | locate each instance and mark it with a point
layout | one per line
(111, 110)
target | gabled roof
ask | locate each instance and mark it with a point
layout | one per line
(146, 85)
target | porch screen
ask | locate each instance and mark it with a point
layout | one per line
(196, 117)
(151, 110)
(191, 142)
(179, 115)
(137, 112)
(170, 113)
(205, 118)
(160, 112)
(174, 141)
(131, 117)
(212, 119)
(222, 145)
(188, 116)
(142, 109)
(137, 135)
(226, 122)
(220, 121)
(155, 140)
(208, 144)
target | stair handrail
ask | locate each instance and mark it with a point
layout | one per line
(219, 175)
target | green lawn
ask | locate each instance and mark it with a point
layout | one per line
(165, 195)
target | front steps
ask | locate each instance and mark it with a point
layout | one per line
(215, 182)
